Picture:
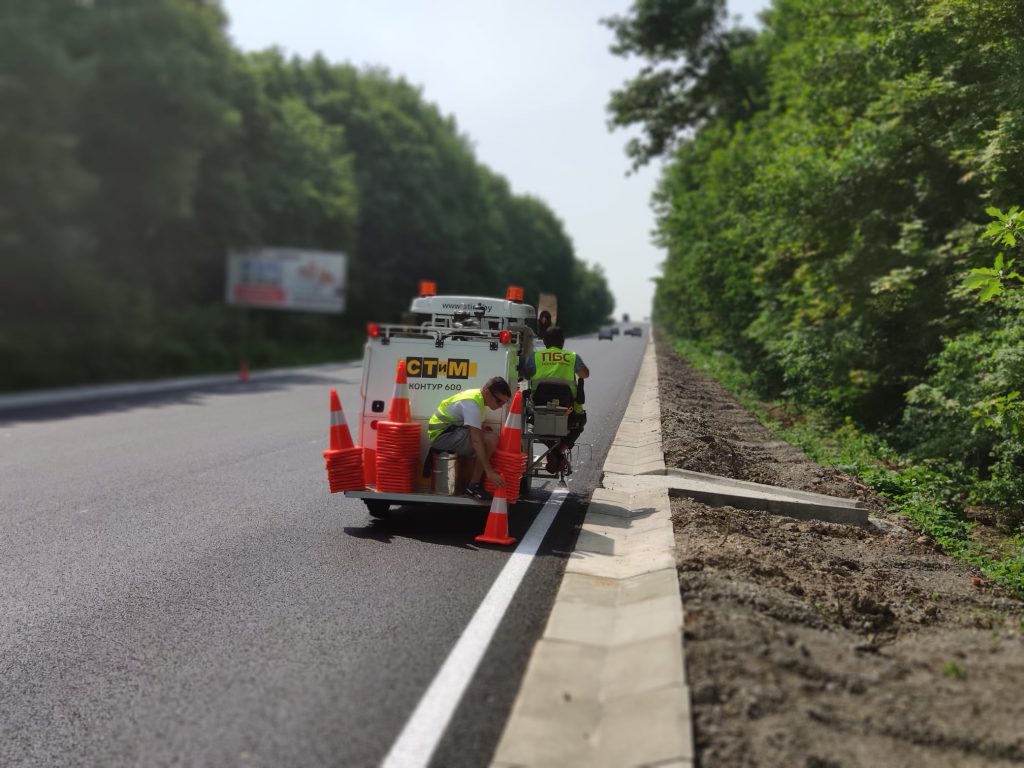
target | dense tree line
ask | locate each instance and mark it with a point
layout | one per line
(138, 147)
(825, 194)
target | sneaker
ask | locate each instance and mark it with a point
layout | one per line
(476, 491)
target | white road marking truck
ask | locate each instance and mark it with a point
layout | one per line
(448, 343)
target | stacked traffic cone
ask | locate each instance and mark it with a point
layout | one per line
(400, 412)
(344, 461)
(508, 459)
(370, 465)
(496, 529)
(398, 442)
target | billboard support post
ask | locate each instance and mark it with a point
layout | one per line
(243, 365)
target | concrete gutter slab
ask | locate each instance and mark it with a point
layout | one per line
(621, 566)
(606, 685)
(645, 665)
(792, 492)
(634, 739)
(608, 626)
(636, 454)
(648, 468)
(611, 540)
(726, 492)
(603, 591)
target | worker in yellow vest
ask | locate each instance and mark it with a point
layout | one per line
(457, 427)
(543, 322)
(556, 363)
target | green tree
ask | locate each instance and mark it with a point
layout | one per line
(42, 185)
(699, 70)
(592, 302)
(817, 238)
(138, 148)
(1007, 229)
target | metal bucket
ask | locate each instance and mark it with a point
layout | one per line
(446, 469)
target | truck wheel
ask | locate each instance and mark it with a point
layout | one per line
(378, 509)
(525, 484)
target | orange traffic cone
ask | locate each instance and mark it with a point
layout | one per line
(511, 439)
(398, 442)
(509, 459)
(511, 467)
(341, 438)
(399, 410)
(496, 529)
(243, 370)
(344, 461)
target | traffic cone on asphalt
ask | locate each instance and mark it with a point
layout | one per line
(511, 439)
(341, 438)
(343, 460)
(400, 411)
(496, 529)
(243, 370)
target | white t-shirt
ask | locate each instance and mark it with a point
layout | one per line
(467, 411)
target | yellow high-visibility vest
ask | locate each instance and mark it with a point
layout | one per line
(440, 420)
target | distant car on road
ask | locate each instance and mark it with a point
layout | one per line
(635, 331)
(615, 330)
(605, 333)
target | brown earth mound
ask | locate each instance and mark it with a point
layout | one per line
(823, 645)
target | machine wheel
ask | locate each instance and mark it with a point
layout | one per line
(378, 509)
(525, 484)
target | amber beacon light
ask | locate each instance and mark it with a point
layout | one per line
(428, 288)
(514, 293)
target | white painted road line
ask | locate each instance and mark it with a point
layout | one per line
(418, 740)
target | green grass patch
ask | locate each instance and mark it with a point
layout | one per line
(954, 671)
(930, 495)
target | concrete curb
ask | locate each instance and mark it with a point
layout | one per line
(606, 683)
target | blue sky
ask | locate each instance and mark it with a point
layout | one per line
(526, 81)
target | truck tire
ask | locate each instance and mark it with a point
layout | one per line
(525, 484)
(376, 508)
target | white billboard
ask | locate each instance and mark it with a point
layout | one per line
(287, 278)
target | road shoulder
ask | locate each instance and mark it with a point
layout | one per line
(606, 682)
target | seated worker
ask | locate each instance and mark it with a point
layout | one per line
(457, 427)
(543, 322)
(556, 363)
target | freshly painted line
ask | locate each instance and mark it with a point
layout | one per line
(418, 740)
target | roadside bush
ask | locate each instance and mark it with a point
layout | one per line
(969, 411)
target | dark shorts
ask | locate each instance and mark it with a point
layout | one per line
(576, 423)
(455, 441)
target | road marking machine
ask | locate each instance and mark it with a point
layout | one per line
(445, 345)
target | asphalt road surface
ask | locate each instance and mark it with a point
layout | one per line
(177, 586)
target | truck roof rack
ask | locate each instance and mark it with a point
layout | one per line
(443, 309)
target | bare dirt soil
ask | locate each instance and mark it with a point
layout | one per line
(818, 645)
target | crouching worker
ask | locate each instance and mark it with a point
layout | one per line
(557, 364)
(457, 427)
